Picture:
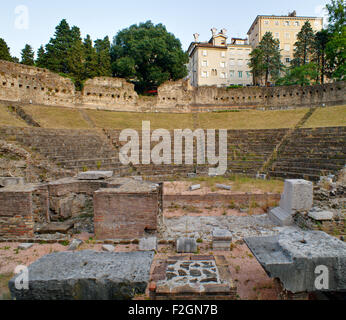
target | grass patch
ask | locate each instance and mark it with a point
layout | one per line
(57, 118)
(241, 183)
(252, 119)
(133, 120)
(327, 117)
(4, 291)
(7, 119)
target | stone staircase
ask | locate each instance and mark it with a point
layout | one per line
(310, 153)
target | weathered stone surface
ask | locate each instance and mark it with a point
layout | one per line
(94, 175)
(108, 248)
(223, 186)
(86, 275)
(280, 217)
(221, 235)
(11, 181)
(297, 196)
(61, 227)
(321, 215)
(293, 256)
(195, 187)
(186, 245)
(148, 244)
(75, 244)
(25, 246)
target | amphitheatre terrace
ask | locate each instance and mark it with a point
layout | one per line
(61, 178)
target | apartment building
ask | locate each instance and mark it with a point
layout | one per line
(218, 63)
(283, 28)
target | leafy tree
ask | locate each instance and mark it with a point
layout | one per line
(4, 51)
(28, 56)
(302, 75)
(336, 47)
(304, 47)
(148, 55)
(266, 58)
(15, 60)
(91, 61)
(103, 49)
(41, 58)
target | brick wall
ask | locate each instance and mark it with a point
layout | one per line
(124, 215)
(16, 213)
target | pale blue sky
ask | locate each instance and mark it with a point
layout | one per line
(106, 17)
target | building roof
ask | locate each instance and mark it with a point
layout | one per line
(281, 17)
(203, 45)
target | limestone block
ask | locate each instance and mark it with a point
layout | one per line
(86, 275)
(186, 245)
(94, 175)
(221, 240)
(280, 217)
(108, 248)
(75, 244)
(25, 246)
(195, 187)
(297, 196)
(11, 181)
(148, 244)
(321, 215)
(223, 186)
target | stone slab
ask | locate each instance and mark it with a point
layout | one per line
(54, 227)
(321, 215)
(297, 196)
(280, 217)
(94, 175)
(148, 244)
(186, 245)
(86, 275)
(294, 255)
(25, 246)
(11, 181)
(195, 187)
(108, 248)
(223, 186)
(222, 235)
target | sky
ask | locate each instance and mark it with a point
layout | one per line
(33, 21)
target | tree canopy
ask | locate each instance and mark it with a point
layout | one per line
(304, 46)
(4, 51)
(28, 56)
(266, 59)
(148, 55)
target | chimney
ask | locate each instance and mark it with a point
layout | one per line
(196, 36)
(213, 32)
(224, 31)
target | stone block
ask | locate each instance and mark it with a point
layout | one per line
(11, 181)
(75, 244)
(295, 257)
(108, 248)
(223, 186)
(94, 175)
(148, 244)
(195, 187)
(86, 275)
(221, 240)
(280, 217)
(321, 215)
(297, 196)
(25, 246)
(186, 245)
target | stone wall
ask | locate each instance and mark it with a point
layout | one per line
(24, 84)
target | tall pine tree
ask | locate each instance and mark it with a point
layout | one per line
(91, 59)
(41, 58)
(103, 48)
(304, 47)
(28, 56)
(4, 51)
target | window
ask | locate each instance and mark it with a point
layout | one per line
(287, 47)
(240, 74)
(287, 35)
(214, 72)
(223, 75)
(204, 74)
(277, 23)
(286, 23)
(223, 54)
(204, 63)
(231, 73)
(288, 60)
(248, 74)
(231, 62)
(296, 23)
(204, 53)
(277, 35)
(223, 64)
(240, 62)
(317, 24)
(266, 22)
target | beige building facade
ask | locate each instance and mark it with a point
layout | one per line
(283, 28)
(218, 63)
